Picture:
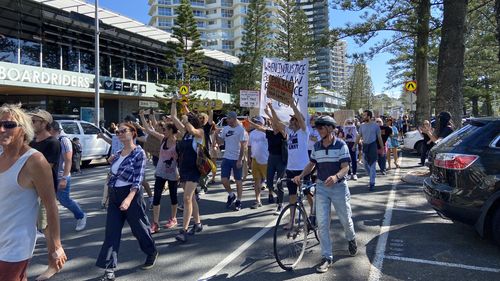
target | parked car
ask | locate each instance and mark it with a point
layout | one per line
(413, 141)
(93, 148)
(464, 185)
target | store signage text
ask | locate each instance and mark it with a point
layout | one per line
(34, 76)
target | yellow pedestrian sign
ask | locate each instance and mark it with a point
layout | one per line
(411, 86)
(184, 90)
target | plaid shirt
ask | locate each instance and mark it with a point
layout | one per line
(131, 169)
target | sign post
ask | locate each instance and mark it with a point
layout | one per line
(411, 87)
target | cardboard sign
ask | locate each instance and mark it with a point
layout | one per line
(201, 105)
(280, 90)
(342, 115)
(249, 98)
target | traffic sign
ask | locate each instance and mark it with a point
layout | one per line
(184, 90)
(411, 86)
(185, 99)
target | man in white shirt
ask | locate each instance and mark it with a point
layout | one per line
(297, 138)
(234, 139)
(260, 154)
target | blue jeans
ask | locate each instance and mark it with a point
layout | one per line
(340, 197)
(370, 169)
(230, 165)
(67, 202)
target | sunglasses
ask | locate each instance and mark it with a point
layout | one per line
(122, 131)
(8, 125)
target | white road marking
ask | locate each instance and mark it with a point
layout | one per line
(414, 210)
(378, 260)
(448, 264)
(237, 252)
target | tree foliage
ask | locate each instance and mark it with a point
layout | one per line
(187, 47)
(359, 92)
(256, 44)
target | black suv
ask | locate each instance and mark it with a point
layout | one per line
(464, 184)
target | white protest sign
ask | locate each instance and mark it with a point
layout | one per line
(249, 98)
(295, 71)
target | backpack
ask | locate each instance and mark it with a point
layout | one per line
(74, 146)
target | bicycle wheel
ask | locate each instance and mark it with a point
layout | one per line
(290, 244)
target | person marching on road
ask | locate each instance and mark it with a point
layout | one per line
(370, 133)
(332, 157)
(126, 204)
(351, 134)
(187, 150)
(235, 139)
(26, 177)
(64, 177)
(50, 147)
(298, 158)
(166, 171)
(385, 133)
(392, 143)
(260, 154)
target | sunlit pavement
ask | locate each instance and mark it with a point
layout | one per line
(399, 238)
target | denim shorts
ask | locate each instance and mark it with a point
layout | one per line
(230, 165)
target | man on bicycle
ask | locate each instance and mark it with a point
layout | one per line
(331, 156)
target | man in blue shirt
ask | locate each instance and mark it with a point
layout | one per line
(331, 156)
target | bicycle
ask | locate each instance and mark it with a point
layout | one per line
(290, 236)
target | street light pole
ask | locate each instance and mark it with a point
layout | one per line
(96, 79)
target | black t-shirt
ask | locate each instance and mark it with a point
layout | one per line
(51, 149)
(274, 142)
(446, 131)
(385, 132)
(140, 133)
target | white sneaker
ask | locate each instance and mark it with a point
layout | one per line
(354, 177)
(81, 223)
(39, 235)
(278, 210)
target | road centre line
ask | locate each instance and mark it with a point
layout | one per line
(216, 269)
(448, 264)
(378, 260)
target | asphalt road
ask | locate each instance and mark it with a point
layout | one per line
(399, 238)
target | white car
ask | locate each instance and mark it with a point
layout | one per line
(93, 148)
(413, 140)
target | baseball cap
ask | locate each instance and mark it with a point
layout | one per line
(232, 115)
(258, 119)
(44, 115)
(55, 126)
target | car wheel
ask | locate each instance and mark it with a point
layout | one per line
(419, 146)
(495, 229)
(86, 163)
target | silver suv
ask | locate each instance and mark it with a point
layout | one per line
(93, 148)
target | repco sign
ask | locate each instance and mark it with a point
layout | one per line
(41, 77)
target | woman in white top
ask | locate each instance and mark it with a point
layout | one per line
(20, 165)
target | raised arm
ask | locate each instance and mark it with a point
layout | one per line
(150, 129)
(276, 121)
(300, 118)
(256, 126)
(210, 117)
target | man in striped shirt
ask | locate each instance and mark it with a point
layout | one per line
(331, 156)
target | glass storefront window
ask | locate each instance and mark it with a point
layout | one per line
(87, 62)
(104, 65)
(51, 57)
(141, 71)
(116, 67)
(8, 49)
(152, 71)
(30, 53)
(69, 58)
(129, 69)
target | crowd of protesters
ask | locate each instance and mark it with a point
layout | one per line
(319, 151)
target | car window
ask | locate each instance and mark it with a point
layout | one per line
(89, 129)
(457, 137)
(70, 128)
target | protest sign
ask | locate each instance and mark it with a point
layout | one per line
(295, 72)
(280, 90)
(249, 98)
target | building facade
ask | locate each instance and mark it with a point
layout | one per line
(47, 60)
(325, 101)
(220, 22)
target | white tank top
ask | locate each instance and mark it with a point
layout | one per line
(19, 213)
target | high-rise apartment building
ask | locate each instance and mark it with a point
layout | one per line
(220, 22)
(331, 63)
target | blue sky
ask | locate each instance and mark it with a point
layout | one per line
(138, 10)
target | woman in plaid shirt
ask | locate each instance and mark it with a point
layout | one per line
(126, 203)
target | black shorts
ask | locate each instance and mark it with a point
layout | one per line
(292, 187)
